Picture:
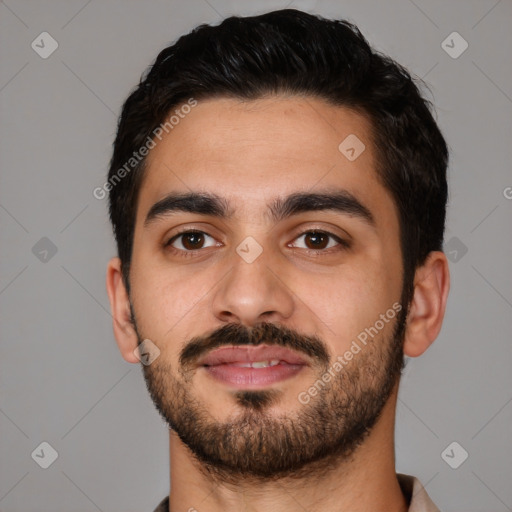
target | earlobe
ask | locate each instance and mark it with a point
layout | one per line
(124, 331)
(426, 313)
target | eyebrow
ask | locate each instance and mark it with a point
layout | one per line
(203, 203)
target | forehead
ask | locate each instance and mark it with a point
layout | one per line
(251, 152)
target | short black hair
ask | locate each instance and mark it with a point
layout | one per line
(293, 52)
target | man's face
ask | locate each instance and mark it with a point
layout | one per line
(268, 265)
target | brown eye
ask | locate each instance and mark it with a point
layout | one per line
(318, 241)
(191, 241)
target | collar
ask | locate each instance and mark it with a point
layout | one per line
(414, 492)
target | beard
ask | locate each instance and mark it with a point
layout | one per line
(256, 445)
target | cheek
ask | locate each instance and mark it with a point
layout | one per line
(167, 302)
(346, 302)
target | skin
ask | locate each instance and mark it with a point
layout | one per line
(250, 153)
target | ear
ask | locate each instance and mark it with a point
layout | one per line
(124, 330)
(426, 313)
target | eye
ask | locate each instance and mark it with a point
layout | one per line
(318, 241)
(191, 241)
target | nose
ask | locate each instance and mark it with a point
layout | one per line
(253, 292)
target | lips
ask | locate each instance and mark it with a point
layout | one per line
(251, 367)
(251, 356)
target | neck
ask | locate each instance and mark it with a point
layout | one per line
(365, 482)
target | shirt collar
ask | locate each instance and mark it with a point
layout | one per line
(414, 492)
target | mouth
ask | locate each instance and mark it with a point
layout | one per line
(251, 367)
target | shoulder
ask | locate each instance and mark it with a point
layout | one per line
(163, 505)
(417, 497)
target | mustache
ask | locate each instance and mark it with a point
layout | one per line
(262, 333)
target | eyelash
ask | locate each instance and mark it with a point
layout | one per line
(342, 244)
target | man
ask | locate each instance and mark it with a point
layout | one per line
(278, 194)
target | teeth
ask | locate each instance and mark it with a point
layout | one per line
(259, 364)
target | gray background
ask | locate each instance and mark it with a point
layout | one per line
(62, 378)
